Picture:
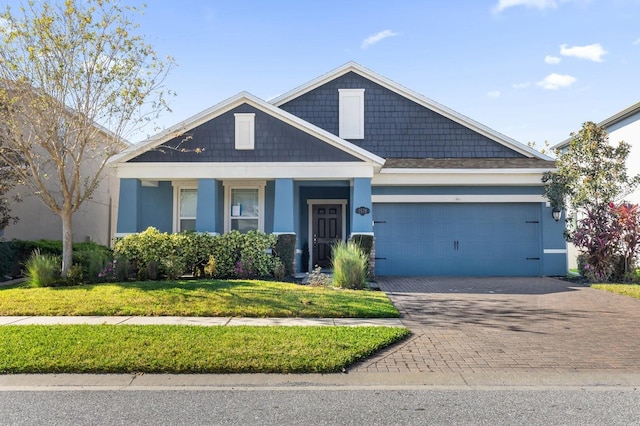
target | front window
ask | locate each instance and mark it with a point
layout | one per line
(245, 207)
(187, 209)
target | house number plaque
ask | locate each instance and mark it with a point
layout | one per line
(363, 211)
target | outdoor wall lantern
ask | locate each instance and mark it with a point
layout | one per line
(556, 213)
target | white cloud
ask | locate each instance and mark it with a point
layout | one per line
(538, 4)
(556, 81)
(521, 85)
(637, 41)
(371, 40)
(591, 52)
(494, 94)
(552, 59)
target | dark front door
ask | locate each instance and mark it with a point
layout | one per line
(327, 228)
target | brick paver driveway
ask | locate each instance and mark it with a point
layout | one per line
(509, 325)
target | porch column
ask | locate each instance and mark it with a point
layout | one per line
(208, 199)
(128, 207)
(361, 208)
(283, 207)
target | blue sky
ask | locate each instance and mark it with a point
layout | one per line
(531, 69)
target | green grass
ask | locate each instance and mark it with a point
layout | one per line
(187, 349)
(632, 290)
(241, 298)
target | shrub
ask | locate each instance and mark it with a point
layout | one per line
(279, 270)
(210, 267)
(75, 276)
(349, 265)
(608, 237)
(238, 254)
(285, 250)
(146, 250)
(93, 263)
(318, 279)
(8, 253)
(174, 266)
(42, 270)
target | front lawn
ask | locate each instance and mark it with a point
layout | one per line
(237, 298)
(632, 290)
(187, 349)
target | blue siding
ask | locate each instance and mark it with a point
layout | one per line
(395, 127)
(275, 141)
(208, 198)
(458, 239)
(128, 206)
(283, 210)
(156, 207)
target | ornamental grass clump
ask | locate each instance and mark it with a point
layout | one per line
(349, 266)
(41, 270)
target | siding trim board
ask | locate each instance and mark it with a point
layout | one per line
(471, 198)
(319, 170)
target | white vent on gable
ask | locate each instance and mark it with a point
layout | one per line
(351, 113)
(245, 130)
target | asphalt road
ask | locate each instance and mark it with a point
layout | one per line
(312, 405)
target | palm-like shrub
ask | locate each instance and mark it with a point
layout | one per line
(349, 265)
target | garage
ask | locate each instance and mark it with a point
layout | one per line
(461, 239)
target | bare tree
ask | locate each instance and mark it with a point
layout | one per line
(70, 70)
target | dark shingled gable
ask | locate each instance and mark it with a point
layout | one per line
(275, 141)
(395, 127)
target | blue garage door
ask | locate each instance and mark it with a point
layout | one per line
(457, 239)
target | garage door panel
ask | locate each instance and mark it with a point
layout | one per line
(457, 239)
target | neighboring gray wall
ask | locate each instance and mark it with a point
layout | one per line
(93, 221)
(275, 141)
(395, 127)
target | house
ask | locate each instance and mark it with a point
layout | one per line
(350, 152)
(94, 221)
(622, 126)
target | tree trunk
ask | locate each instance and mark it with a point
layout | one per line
(67, 241)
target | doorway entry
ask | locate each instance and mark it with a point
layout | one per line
(327, 226)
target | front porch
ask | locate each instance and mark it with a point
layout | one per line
(318, 211)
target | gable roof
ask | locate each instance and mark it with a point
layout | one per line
(413, 96)
(227, 105)
(607, 122)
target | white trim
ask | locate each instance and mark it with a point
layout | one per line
(283, 233)
(227, 105)
(465, 198)
(351, 113)
(243, 184)
(177, 187)
(445, 178)
(310, 204)
(466, 171)
(123, 234)
(258, 170)
(411, 95)
(555, 251)
(245, 135)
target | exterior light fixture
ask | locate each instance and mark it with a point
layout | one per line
(556, 213)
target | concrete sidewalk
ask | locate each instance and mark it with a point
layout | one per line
(201, 321)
